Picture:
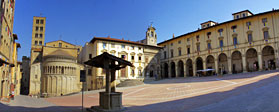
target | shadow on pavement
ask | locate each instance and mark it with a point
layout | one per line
(188, 104)
(7, 108)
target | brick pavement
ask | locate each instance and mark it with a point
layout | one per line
(181, 94)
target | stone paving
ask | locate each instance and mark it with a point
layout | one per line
(250, 92)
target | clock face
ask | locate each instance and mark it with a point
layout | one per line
(152, 40)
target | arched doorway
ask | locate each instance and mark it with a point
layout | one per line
(237, 66)
(181, 68)
(210, 64)
(189, 66)
(223, 63)
(252, 60)
(151, 71)
(173, 69)
(166, 70)
(199, 63)
(268, 58)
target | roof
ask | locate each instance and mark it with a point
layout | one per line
(15, 36)
(242, 11)
(60, 53)
(218, 25)
(18, 45)
(62, 41)
(99, 60)
(120, 40)
(209, 21)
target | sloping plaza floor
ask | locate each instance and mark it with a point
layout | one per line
(245, 92)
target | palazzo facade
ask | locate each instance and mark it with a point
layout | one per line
(247, 43)
(144, 55)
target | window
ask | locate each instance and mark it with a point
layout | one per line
(37, 21)
(123, 46)
(36, 42)
(132, 57)
(221, 43)
(41, 35)
(37, 28)
(250, 39)
(179, 42)
(140, 73)
(139, 48)
(264, 20)
(165, 55)
(209, 45)
(243, 15)
(165, 46)
(36, 76)
(197, 37)
(90, 56)
(208, 34)
(36, 35)
(139, 58)
(220, 32)
(41, 28)
(198, 47)
(171, 52)
(207, 25)
(171, 44)
(237, 16)
(133, 72)
(152, 34)
(179, 52)
(248, 24)
(234, 40)
(104, 45)
(60, 44)
(112, 45)
(188, 39)
(42, 21)
(40, 43)
(266, 35)
(133, 47)
(234, 28)
(188, 50)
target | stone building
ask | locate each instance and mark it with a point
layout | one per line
(7, 48)
(247, 43)
(24, 89)
(54, 70)
(144, 57)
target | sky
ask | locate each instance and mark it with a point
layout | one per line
(78, 21)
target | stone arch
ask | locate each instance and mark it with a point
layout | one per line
(237, 66)
(210, 62)
(199, 63)
(166, 70)
(252, 60)
(152, 71)
(268, 58)
(173, 69)
(189, 68)
(180, 68)
(223, 63)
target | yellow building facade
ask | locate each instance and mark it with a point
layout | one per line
(142, 54)
(7, 45)
(247, 43)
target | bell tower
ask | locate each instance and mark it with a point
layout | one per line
(38, 38)
(151, 36)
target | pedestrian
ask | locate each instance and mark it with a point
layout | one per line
(13, 95)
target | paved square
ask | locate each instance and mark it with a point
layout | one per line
(257, 91)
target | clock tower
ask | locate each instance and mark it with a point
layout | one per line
(151, 36)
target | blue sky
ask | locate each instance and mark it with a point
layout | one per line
(78, 21)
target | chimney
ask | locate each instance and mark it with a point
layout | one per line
(173, 35)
